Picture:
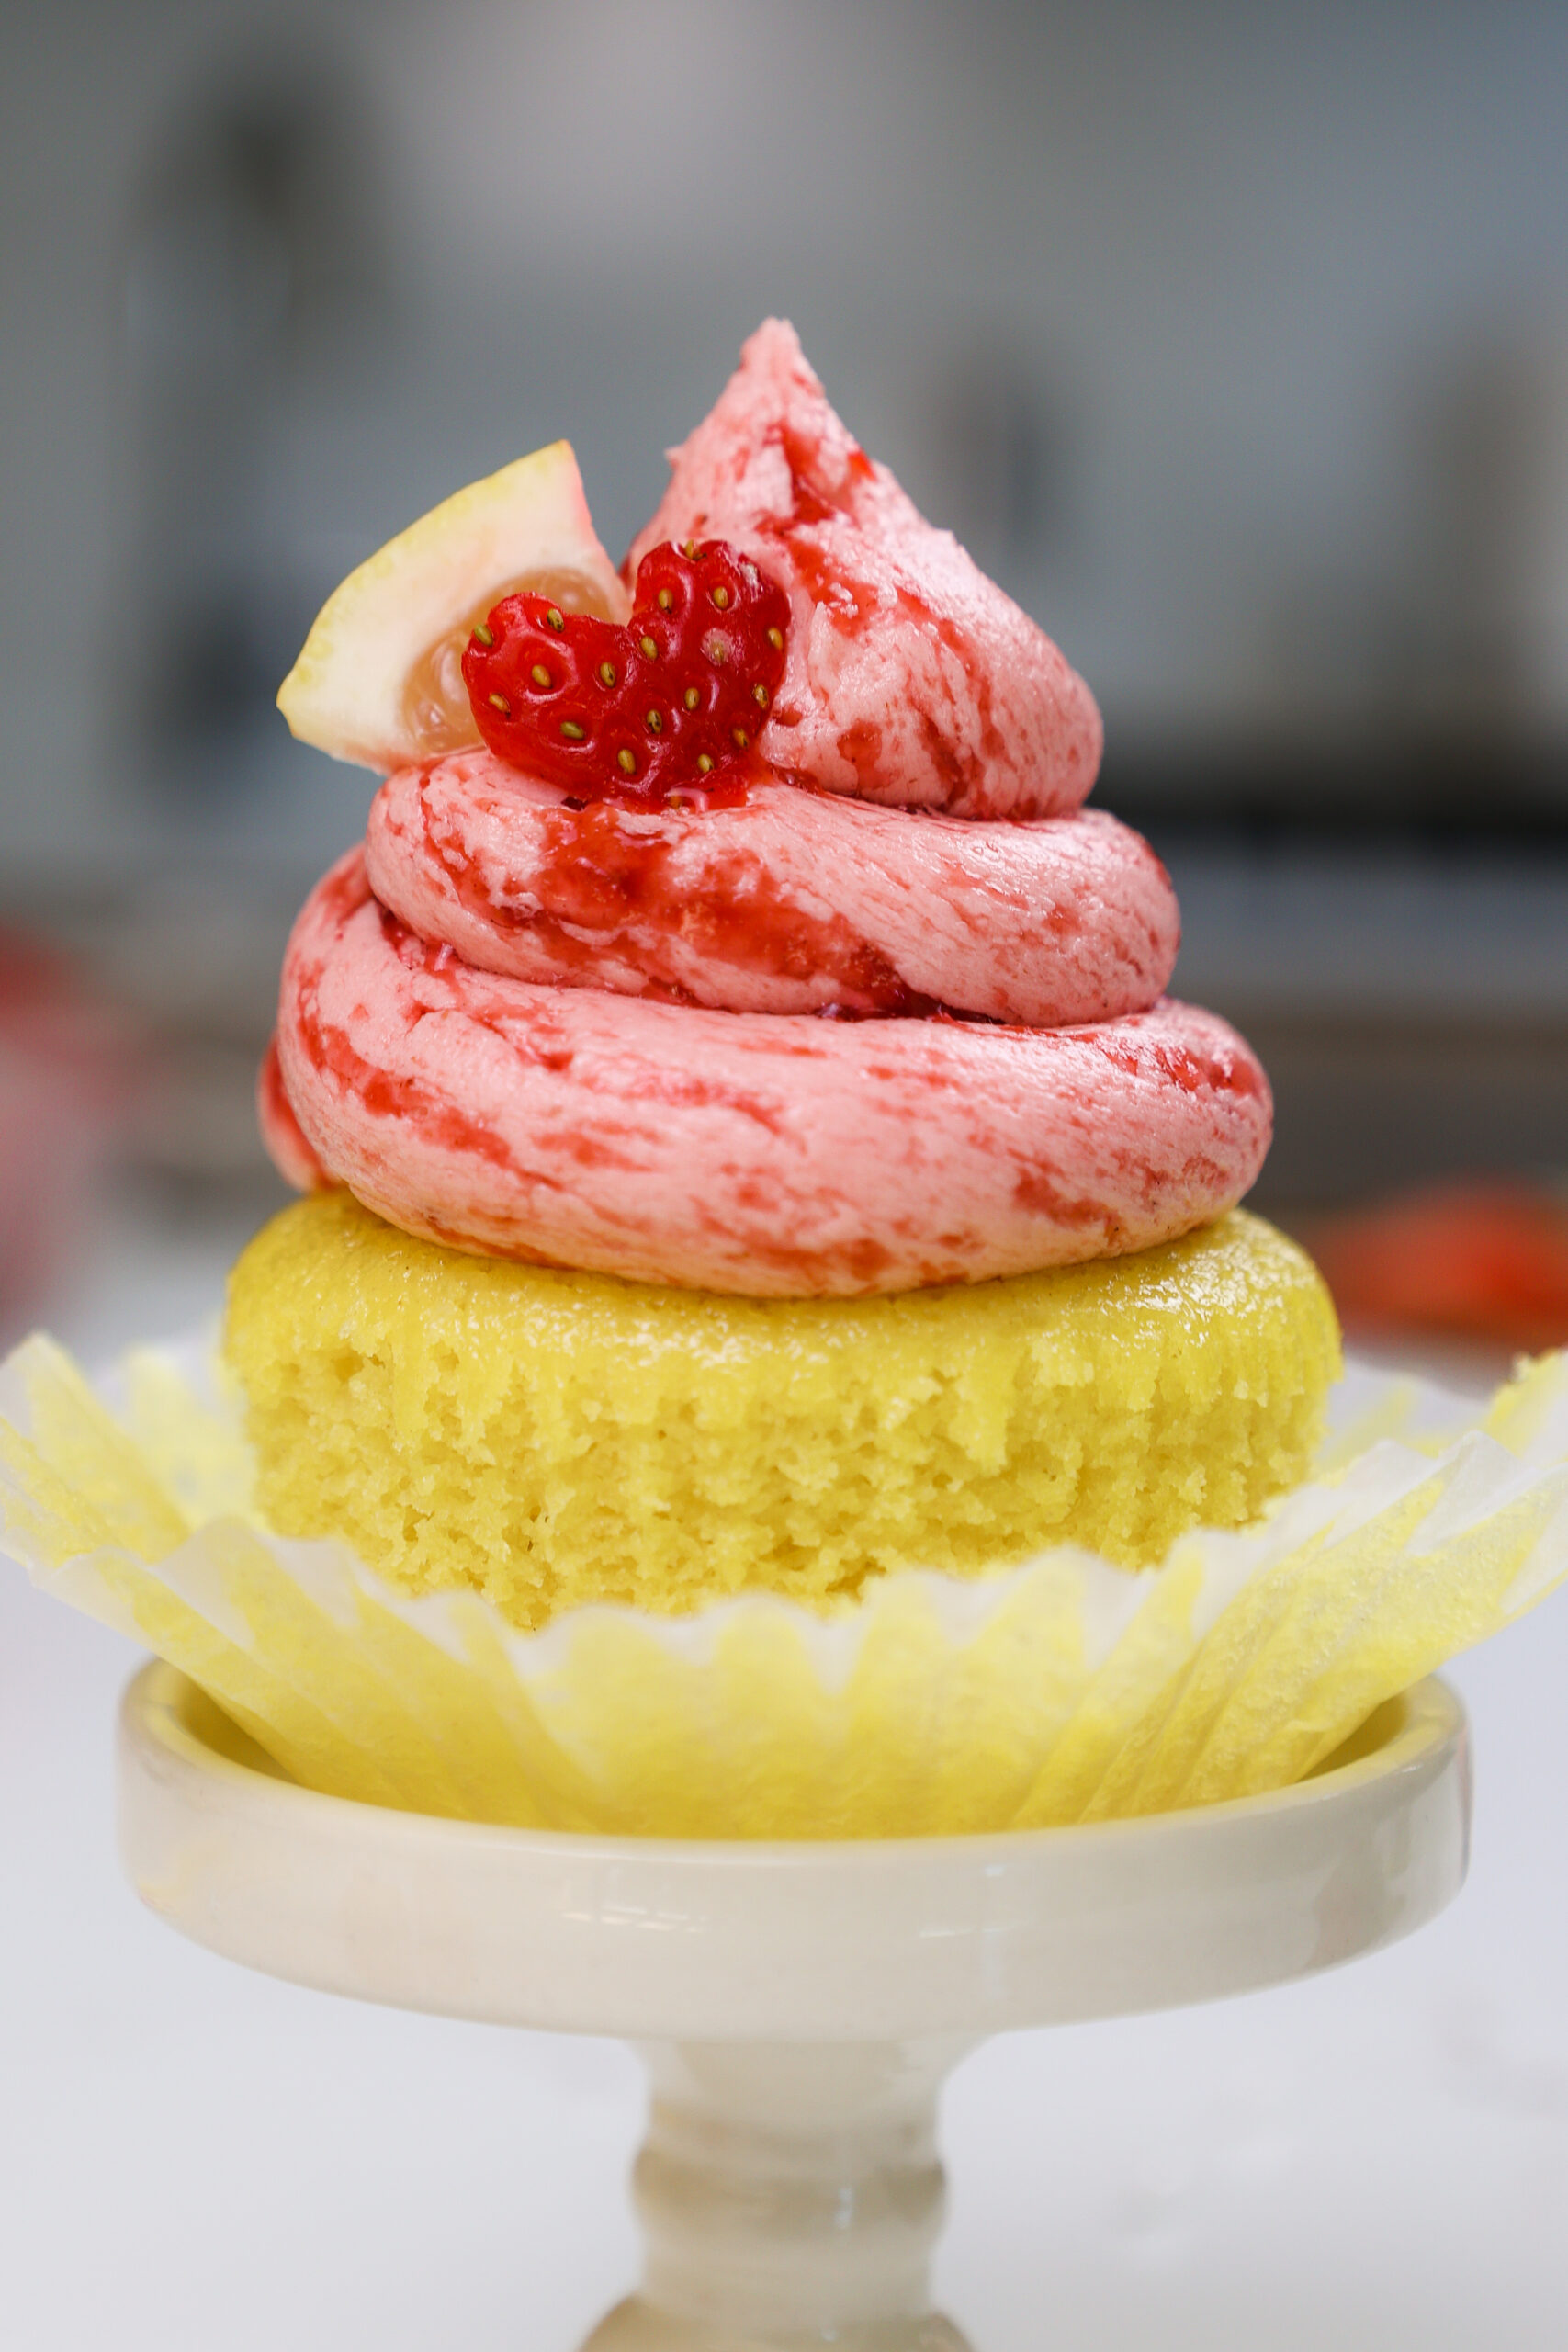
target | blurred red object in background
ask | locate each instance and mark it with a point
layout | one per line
(70, 1068)
(1480, 1259)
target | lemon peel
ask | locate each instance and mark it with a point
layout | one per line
(379, 680)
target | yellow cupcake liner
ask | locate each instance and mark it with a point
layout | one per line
(1063, 1690)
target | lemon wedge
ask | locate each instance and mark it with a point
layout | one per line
(379, 679)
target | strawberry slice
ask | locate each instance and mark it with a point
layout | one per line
(673, 703)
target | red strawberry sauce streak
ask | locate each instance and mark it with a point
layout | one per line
(595, 876)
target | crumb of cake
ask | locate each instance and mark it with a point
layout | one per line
(551, 1438)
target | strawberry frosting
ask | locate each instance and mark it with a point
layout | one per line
(911, 678)
(769, 1154)
(892, 1018)
(792, 901)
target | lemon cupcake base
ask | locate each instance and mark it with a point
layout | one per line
(1063, 1691)
(549, 1438)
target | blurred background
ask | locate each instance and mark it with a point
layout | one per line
(1234, 340)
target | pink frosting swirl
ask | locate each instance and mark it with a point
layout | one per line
(597, 1036)
(793, 901)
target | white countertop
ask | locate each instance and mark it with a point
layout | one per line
(190, 2154)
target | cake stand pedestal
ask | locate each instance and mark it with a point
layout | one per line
(798, 2005)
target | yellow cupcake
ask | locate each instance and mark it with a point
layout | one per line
(551, 1438)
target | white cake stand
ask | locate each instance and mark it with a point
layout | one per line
(798, 2005)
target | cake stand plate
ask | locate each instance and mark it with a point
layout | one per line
(798, 2004)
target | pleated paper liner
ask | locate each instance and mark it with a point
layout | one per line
(1064, 1690)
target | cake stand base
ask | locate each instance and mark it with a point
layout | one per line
(790, 2195)
(798, 2005)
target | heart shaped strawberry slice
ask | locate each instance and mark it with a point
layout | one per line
(672, 702)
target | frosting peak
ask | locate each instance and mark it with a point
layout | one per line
(911, 678)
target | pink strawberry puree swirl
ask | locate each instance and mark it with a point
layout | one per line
(772, 1154)
(793, 901)
(894, 1018)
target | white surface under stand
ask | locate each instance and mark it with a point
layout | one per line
(798, 2005)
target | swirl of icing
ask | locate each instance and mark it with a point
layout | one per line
(791, 902)
(592, 1036)
(769, 1154)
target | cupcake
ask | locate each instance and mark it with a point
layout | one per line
(747, 1144)
(769, 1346)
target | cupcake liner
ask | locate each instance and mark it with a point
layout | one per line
(1064, 1690)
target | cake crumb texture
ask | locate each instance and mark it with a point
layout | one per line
(551, 1438)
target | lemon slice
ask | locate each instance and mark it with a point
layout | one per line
(379, 680)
